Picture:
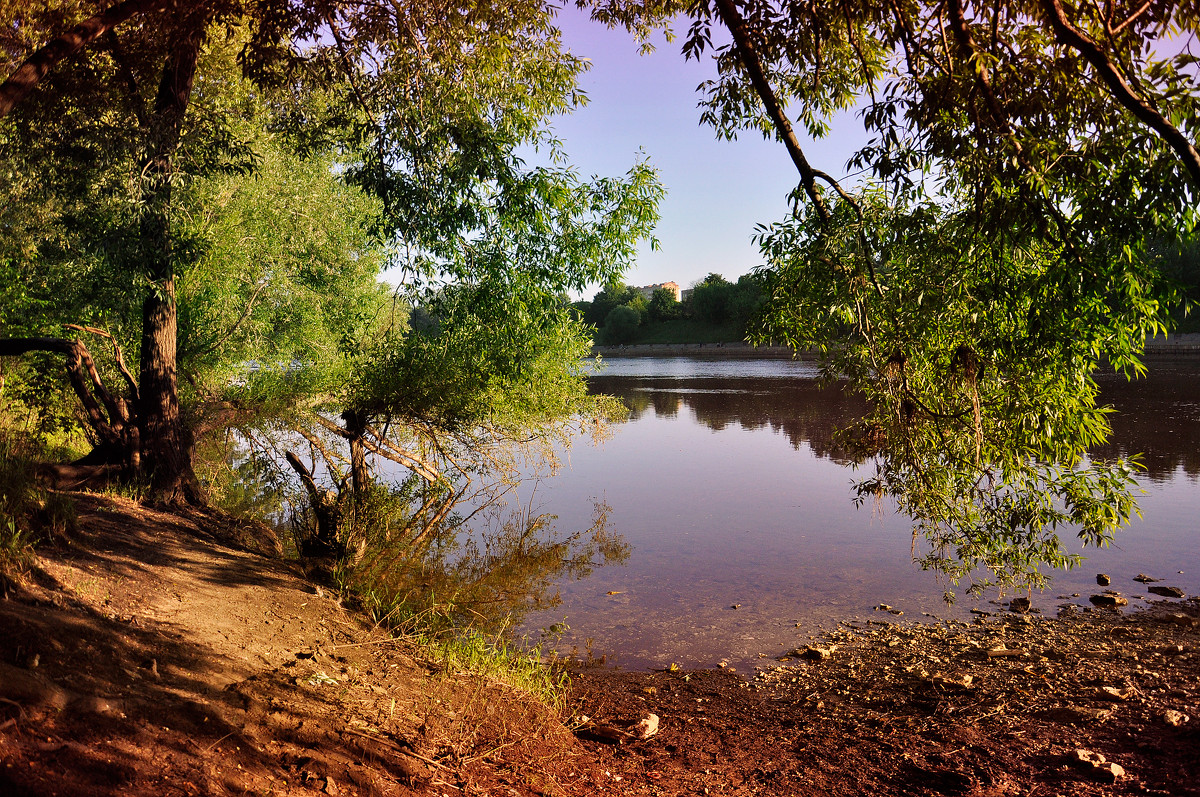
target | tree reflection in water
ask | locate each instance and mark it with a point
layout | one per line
(485, 573)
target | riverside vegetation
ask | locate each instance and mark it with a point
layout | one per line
(208, 193)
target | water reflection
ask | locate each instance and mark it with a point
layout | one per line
(802, 410)
(1156, 416)
(728, 484)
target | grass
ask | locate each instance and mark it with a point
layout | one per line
(29, 513)
(445, 610)
(499, 659)
(457, 648)
(684, 331)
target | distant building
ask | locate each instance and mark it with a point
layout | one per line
(648, 290)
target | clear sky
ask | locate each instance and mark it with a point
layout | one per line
(717, 191)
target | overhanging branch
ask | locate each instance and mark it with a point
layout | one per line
(1072, 37)
(37, 66)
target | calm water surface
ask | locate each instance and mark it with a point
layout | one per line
(727, 483)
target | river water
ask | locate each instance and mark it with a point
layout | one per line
(727, 484)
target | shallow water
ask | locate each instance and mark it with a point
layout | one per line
(728, 485)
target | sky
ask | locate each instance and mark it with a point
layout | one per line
(717, 191)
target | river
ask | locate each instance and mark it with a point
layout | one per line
(745, 541)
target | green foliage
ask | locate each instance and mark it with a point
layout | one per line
(710, 299)
(689, 331)
(1029, 168)
(29, 513)
(978, 363)
(664, 306)
(621, 325)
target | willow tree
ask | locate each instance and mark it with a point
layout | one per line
(1028, 168)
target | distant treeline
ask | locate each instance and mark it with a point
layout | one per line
(719, 311)
(716, 310)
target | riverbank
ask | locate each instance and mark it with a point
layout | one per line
(1188, 343)
(160, 654)
(715, 350)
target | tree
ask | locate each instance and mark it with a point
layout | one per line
(664, 306)
(710, 299)
(1028, 165)
(621, 325)
(256, 277)
(425, 107)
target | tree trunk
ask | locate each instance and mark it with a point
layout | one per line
(327, 508)
(356, 428)
(166, 447)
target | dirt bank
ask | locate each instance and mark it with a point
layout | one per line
(159, 655)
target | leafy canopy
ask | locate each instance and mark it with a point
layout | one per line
(1028, 171)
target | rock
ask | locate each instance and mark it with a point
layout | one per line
(1184, 620)
(1019, 605)
(647, 727)
(1115, 694)
(1166, 592)
(1145, 579)
(1095, 765)
(1005, 653)
(1103, 579)
(1176, 719)
(1109, 600)
(812, 653)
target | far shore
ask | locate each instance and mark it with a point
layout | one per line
(1171, 345)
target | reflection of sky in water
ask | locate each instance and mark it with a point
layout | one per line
(742, 499)
(699, 368)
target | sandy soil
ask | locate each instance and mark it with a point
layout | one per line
(167, 655)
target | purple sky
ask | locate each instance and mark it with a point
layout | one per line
(716, 190)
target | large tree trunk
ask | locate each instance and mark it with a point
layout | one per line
(166, 445)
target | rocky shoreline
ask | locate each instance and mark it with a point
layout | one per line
(1092, 702)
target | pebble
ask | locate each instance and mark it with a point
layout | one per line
(1113, 693)
(1175, 719)
(1098, 767)
(812, 653)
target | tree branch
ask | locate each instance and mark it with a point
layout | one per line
(37, 66)
(749, 55)
(1072, 37)
(118, 356)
